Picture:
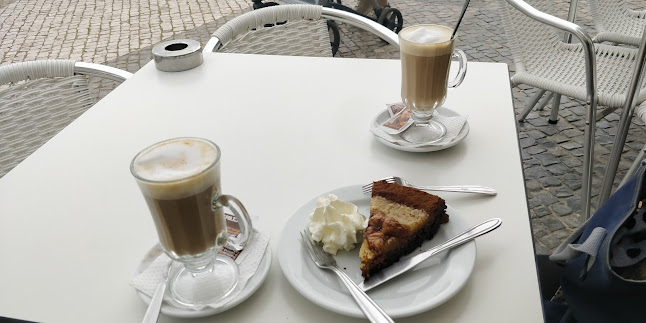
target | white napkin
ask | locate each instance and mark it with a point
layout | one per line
(248, 261)
(453, 124)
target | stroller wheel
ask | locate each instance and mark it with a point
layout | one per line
(258, 4)
(391, 18)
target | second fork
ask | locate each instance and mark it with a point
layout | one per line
(447, 188)
(373, 312)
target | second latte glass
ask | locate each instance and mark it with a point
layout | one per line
(426, 52)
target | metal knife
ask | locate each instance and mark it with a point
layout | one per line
(402, 266)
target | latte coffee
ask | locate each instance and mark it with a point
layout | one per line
(426, 52)
(179, 178)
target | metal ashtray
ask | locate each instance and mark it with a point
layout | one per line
(177, 55)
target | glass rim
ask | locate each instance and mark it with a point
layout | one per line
(434, 25)
(148, 148)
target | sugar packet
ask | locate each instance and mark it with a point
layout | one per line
(394, 108)
(399, 121)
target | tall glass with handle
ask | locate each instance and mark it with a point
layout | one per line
(180, 181)
(426, 52)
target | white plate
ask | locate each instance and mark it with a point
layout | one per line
(416, 291)
(252, 285)
(384, 115)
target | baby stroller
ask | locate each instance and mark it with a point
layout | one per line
(387, 16)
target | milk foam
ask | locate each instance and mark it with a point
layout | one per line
(174, 160)
(426, 40)
(175, 168)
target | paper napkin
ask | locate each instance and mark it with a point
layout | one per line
(248, 261)
(453, 124)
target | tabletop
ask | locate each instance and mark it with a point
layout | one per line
(74, 226)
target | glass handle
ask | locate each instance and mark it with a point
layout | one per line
(244, 221)
(462, 59)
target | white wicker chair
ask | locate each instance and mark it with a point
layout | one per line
(617, 23)
(584, 71)
(292, 30)
(39, 98)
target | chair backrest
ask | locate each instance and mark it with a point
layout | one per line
(293, 30)
(38, 99)
(616, 22)
(530, 41)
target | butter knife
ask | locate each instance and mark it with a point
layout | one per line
(403, 266)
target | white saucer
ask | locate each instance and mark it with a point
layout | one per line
(384, 115)
(252, 285)
(424, 287)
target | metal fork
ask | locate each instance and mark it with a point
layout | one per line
(322, 259)
(367, 189)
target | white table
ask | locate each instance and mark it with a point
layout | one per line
(73, 224)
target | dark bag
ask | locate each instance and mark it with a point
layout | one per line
(592, 282)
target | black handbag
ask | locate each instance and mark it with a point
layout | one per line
(602, 279)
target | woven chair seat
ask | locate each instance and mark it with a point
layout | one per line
(37, 100)
(615, 22)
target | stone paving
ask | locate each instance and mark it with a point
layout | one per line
(121, 34)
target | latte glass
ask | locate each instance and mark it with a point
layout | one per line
(180, 181)
(426, 52)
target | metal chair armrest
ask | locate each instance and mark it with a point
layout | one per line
(212, 45)
(103, 71)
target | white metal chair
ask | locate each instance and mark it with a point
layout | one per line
(39, 98)
(617, 23)
(293, 30)
(596, 74)
(629, 109)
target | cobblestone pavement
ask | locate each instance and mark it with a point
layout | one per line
(121, 34)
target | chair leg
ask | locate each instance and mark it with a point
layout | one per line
(555, 109)
(615, 155)
(588, 159)
(530, 105)
(545, 101)
(586, 188)
(633, 168)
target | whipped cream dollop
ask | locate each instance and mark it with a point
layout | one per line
(335, 223)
